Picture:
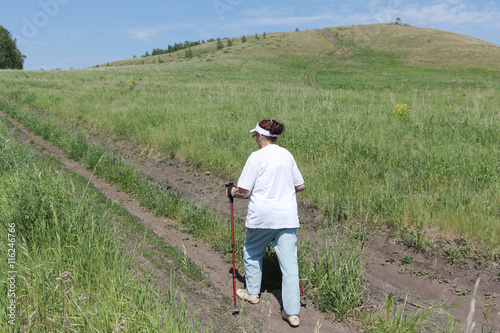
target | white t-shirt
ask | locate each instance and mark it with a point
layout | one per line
(271, 174)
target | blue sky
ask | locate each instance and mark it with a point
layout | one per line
(77, 34)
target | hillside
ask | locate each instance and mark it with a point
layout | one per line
(412, 46)
(421, 47)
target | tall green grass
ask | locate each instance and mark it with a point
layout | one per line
(436, 168)
(396, 318)
(72, 274)
(337, 274)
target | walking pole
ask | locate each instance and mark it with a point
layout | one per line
(231, 200)
(303, 296)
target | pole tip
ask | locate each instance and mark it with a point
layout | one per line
(236, 312)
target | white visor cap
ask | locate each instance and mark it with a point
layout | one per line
(262, 131)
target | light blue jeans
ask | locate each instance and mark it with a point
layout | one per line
(285, 245)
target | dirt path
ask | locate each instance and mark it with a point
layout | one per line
(310, 73)
(429, 279)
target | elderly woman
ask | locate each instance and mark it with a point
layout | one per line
(270, 181)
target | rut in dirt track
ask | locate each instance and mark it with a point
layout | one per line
(310, 74)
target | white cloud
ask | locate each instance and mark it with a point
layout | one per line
(287, 17)
(145, 34)
(324, 20)
(268, 11)
(258, 12)
(286, 21)
(451, 13)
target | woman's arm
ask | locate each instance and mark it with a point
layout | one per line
(240, 193)
(300, 188)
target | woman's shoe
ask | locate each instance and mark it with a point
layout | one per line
(242, 294)
(292, 320)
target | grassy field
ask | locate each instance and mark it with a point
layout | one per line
(400, 133)
(56, 208)
(71, 272)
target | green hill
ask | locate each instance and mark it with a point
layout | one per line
(412, 46)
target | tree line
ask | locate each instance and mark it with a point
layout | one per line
(182, 46)
(173, 48)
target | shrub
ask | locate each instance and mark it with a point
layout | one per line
(188, 54)
(219, 44)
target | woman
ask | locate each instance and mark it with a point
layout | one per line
(270, 181)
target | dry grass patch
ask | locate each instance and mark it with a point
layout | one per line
(422, 47)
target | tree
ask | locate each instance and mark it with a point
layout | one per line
(10, 56)
(219, 44)
(188, 53)
(243, 39)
